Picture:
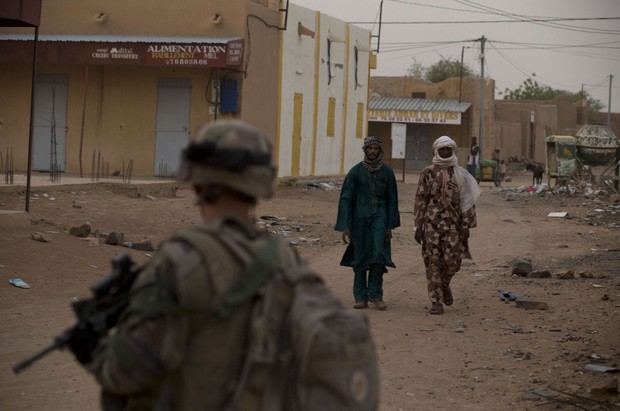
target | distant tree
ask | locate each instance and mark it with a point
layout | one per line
(530, 89)
(443, 69)
(446, 68)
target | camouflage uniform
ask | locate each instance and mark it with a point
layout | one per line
(438, 213)
(174, 350)
(180, 345)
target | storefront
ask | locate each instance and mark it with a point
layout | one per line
(116, 100)
(421, 122)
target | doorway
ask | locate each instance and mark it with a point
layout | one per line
(172, 129)
(50, 123)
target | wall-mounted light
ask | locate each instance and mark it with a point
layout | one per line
(101, 17)
(216, 19)
(304, 31)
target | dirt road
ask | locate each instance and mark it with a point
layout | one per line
(483, 354)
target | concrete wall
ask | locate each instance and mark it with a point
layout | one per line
(513, 129)
(332, 81)
(259, 84)
(356, 93)
(154, 17)
(317, 70)
(299, 75)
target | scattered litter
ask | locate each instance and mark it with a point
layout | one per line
(600, 368)
(559, 214)
(507, 295)
(18, 282)
(93, 266)
(272, 218)
(532, 305)
(597, 286)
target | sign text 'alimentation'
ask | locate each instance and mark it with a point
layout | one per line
(229, 53)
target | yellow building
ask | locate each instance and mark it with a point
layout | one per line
(123, 82)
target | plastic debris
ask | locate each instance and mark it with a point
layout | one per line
(600, 368)
(18, 282)
(507, 295)
(559, 214)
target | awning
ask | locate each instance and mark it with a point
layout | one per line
(416, 110)
(123, 50)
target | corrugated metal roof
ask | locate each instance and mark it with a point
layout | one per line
(115, 38)
(417, 104)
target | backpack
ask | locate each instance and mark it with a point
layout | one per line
(307, 351)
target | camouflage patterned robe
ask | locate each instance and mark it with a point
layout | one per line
(439, 216)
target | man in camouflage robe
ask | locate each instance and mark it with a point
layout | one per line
(444, 212)
(367, 213)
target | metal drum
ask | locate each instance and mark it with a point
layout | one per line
(596, 144)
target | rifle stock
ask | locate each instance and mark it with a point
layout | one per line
(99, 313)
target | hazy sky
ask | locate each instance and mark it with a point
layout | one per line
(564, 54)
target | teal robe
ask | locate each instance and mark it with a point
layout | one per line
(368, 206)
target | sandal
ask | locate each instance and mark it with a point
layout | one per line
(437, 308)
(448, 299)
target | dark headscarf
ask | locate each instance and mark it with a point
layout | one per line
(373, 165)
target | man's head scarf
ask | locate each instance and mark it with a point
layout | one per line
(469, 191)
(373, 165)
(441, 142)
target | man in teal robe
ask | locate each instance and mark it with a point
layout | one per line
(367, 213)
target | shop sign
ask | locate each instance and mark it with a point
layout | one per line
(127, 53)
(415, 116)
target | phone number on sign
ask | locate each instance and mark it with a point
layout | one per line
(187, 62)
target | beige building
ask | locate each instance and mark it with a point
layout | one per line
(125, 82)
(453, 98)
(517, 127)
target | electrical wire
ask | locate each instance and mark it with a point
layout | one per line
(528, 19)
(535, 20)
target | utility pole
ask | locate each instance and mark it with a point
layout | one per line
(609, 102)
(481, 133)
(461, 75)
(581, 105)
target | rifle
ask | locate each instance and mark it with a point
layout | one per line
(110, 297)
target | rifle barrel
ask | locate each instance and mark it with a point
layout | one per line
(59, 342)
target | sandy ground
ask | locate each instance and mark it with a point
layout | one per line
(482, 354)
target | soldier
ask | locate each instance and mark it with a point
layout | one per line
(444, 212)
(175, 349)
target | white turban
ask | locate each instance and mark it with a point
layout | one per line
(469, 191)
(444, 141)
(441, 142)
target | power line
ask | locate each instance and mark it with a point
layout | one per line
(537, 20)
(527, 19)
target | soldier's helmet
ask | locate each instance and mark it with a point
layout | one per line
(231, 154)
